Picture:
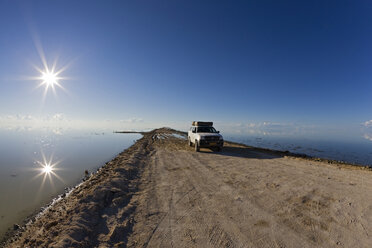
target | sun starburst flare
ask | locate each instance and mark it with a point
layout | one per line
(50, 75)
(47, 169)
(50, 79)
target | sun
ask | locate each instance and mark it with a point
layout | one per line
(49, 78)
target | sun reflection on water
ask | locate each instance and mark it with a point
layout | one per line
(47, 169)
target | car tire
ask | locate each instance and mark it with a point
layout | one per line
(219, 148)
(190, 144)
(197, 148)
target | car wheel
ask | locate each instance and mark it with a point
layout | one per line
(197, 148)
(219, 148)
(190, 144)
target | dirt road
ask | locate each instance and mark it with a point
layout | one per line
(160, 193)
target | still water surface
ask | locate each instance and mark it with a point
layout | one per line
(24, 188)
(356, 150)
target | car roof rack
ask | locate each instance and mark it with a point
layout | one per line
(202, 123)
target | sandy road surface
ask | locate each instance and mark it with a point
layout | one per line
(160, 193)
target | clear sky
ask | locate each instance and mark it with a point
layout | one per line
(159, 62)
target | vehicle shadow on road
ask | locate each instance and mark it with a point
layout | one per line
(244, 152)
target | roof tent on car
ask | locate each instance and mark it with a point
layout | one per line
(202, 123)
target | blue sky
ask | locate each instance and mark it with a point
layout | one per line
(170, 62)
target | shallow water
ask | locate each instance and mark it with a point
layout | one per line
(24, 187)
(356, 150)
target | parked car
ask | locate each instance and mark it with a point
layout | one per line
(203, 134)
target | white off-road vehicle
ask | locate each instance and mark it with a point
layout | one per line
(203, 134)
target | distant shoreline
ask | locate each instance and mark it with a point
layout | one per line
(140, 132)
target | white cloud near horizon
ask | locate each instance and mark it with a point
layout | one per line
(368, 137)
(266, 128)
(132, 120)
(367, 130)
(367, 123)
(30, 118)
(60, 121)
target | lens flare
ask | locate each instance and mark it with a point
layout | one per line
(49, 78)
(50, 74)
(47, 169)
